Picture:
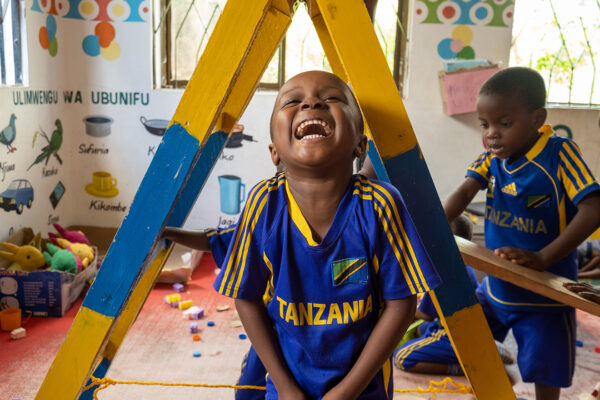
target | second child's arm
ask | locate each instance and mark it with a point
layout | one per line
(259, 328)
(583, 224)
(456, 203)
(393, 322)
(194, 239)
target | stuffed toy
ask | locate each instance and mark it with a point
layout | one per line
(61, 259)
(81, 250)
(36, 241)
(71, 236)
(24, 258)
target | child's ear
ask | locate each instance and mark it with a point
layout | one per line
(361, 147)
(540, 116)
(274, 156)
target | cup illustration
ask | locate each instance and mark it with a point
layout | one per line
(10, 319)
(103, 185)
(232, 193)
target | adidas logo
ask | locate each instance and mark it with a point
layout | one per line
(511, 189)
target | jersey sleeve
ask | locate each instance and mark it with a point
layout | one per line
(577, 179)
(219, 240)
(480, 168)
(244, 274)
(400, 260)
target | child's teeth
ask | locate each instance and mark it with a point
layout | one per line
(311, 137)
(311, 122)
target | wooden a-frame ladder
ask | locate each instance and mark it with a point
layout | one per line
(243, 41)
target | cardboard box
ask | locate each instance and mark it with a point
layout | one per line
(460, 88)
(44, 293)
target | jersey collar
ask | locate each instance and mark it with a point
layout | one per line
(337, 226)
(545, 132)
(298, 218)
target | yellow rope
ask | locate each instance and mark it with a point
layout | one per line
(434, 387)
(439, 387)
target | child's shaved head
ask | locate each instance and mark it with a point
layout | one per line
(525, 84)
(342, 85)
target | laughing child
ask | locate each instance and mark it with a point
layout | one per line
(336, 254)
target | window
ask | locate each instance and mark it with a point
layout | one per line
(182, 28)
(562, 42)
(13, 44)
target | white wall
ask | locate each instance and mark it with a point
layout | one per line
(449, 144)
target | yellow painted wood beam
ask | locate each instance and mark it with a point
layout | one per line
(359, 51)
(86, 334)
(226, 59)
(330, 50)
(268, 36)
(135, 303)
(328, 47)
(368, 74)
(476, 351)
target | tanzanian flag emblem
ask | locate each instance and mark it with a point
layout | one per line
(538, 200)
(350, 270)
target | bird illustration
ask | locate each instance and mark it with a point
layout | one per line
(8, 134)
(53, 146)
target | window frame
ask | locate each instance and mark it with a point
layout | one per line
(558, 28)
(163, 42)
(14, 66)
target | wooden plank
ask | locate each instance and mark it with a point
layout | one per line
(123, 265)
(544, 283)
(268, 35)
(208, 157)
(245, 34)
(76, 356)
(354, 40)
(202, 104)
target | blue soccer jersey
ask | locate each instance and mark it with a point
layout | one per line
(529, 203)
(218, 240)
(325, 298)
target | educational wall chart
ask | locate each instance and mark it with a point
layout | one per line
(91, 105)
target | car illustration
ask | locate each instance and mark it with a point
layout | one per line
(18, 194)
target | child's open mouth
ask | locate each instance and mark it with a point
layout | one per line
(496, 148)
(313, 129)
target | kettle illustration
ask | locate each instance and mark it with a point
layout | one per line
(232, 193)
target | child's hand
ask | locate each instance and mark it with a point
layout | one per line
(591, 269)
(585, 290)
(526, 258)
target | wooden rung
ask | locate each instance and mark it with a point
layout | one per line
(544, 283)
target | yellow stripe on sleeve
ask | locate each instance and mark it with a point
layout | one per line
(570, 168)
(585, 172)
(246, 245)
(413, 259)
(256, 192)
(242, 235)
(401, 256)
(567, 183)
(210, 232)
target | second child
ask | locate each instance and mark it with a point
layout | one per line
(542, 201)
